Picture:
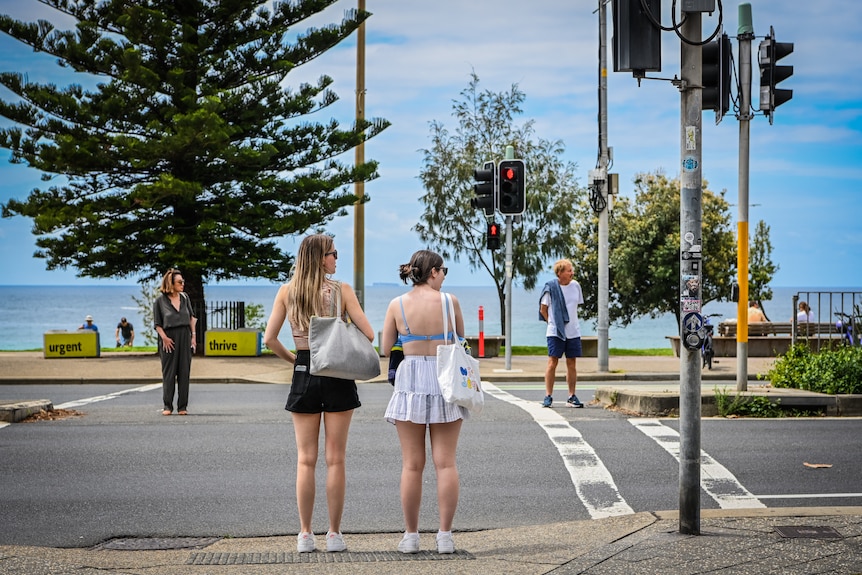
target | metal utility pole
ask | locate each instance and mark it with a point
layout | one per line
(359, 187)
(604, 283)
(510, 155)
(691, 220)
(745, 34)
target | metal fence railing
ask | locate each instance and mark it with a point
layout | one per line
(836, 315)
(225, 314)
(218, 315)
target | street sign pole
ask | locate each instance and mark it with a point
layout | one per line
(691, 192)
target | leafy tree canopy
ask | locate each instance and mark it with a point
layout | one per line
(644, 244)
(191, 150)
(452, 227)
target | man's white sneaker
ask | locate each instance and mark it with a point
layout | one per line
(410, 543)
(335, 542)
(305, 542)
(445, 543)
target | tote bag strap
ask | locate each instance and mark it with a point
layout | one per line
(445, 318)
(335, 310)
(446, 305)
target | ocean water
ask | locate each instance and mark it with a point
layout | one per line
(27, 312)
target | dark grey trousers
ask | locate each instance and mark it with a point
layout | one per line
(176, 368)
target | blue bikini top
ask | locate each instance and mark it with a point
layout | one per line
(408, 337)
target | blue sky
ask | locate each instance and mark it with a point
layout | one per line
(805, 171)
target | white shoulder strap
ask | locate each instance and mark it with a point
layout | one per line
(446, 305)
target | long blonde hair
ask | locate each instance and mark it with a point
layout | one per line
(305, 290)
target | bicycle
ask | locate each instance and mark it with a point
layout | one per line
(845, 328)
(707, 351)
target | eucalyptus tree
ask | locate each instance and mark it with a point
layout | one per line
(449, 225)
(644, 243)
(761, 268)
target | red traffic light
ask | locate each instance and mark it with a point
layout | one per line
(511, 198)
(493, 236)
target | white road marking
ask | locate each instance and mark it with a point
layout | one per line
(4, 424)
(593, 482)
(715, 479)
(98, 398)
(809, 495)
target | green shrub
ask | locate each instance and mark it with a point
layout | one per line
(832, 371)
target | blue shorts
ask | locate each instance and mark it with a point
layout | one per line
(316, 394)
(570, 347)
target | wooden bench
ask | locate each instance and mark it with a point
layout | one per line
(758, 346)
(804, 329)
(494, 343)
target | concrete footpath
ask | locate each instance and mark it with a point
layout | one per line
(787, 541)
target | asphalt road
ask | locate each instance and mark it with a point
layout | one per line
(124, 470)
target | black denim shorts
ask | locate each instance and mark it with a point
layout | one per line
(316, 394)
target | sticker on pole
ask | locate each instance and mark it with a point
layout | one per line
(692, 322)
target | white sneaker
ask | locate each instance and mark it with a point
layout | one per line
(335, 542)
(305, 542)
(445, 543)
(410, 543)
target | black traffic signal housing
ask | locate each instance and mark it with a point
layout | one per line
(485, 189)
(636, 39)
(769, 53)
(512, 187)
(715, 68)
(493, 236)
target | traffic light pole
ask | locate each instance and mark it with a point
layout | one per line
(691, 220)
(508, 293)
(745, 34)
(510, 155)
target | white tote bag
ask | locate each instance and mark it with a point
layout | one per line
(457, 371)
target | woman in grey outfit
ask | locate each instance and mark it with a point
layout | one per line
(175, 323)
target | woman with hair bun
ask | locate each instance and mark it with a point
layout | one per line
(417, 403)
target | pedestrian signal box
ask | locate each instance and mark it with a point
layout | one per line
(493, 236)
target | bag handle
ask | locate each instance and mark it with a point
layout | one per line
(446, 304)
(337, 300)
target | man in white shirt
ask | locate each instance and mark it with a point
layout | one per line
(558, 306)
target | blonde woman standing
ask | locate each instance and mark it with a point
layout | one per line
(313, 399)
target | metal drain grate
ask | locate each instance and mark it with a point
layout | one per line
(344, 557)
(156, 543)
(808, 531)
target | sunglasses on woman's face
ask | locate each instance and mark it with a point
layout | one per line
(333, 253)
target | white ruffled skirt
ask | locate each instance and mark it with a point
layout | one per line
(417, 396)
